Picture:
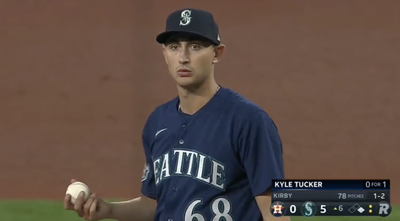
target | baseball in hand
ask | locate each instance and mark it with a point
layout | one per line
(75, 188)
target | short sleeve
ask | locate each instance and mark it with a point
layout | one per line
(261, 152)
(148, 182)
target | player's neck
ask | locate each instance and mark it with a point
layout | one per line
(191, 101)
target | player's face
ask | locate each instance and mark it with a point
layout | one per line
(191, 61)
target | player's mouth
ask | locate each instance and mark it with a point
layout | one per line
(183, 72)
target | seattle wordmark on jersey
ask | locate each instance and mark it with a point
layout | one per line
(210, 165)
(196, 163)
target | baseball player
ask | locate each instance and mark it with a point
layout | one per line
(211, 154)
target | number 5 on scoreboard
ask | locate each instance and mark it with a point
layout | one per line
(323, 209)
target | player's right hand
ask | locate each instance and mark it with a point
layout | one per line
(93, 209)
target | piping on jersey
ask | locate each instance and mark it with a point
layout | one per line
(160, 131)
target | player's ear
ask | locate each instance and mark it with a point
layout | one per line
(219, 52)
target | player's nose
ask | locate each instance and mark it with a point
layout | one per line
(183, 58)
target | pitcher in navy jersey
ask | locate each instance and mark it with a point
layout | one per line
(211, 154)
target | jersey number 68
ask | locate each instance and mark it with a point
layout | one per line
(220, 208)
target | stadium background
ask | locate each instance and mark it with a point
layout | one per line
(79, 78)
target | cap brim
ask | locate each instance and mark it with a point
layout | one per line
(163, 37)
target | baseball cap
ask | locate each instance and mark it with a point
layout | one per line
(191, 21)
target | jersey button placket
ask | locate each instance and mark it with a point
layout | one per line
(181, 140)
(172, 198)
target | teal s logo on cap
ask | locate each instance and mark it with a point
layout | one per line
(191, 21)
(185, 17)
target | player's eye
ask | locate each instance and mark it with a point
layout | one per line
(173, 47)
(195, 47)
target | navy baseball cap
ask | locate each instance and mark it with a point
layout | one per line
(191, 21)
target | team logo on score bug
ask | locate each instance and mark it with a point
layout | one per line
(308, 209)
(278, 209)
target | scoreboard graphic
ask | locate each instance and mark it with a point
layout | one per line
(310, 198)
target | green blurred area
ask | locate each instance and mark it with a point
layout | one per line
(53, 211)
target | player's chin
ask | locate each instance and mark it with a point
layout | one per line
(186, 82)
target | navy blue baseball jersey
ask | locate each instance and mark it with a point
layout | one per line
(211, 165)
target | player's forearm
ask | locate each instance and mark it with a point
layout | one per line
(138, 209)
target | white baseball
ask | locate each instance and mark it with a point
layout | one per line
(75, 188)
